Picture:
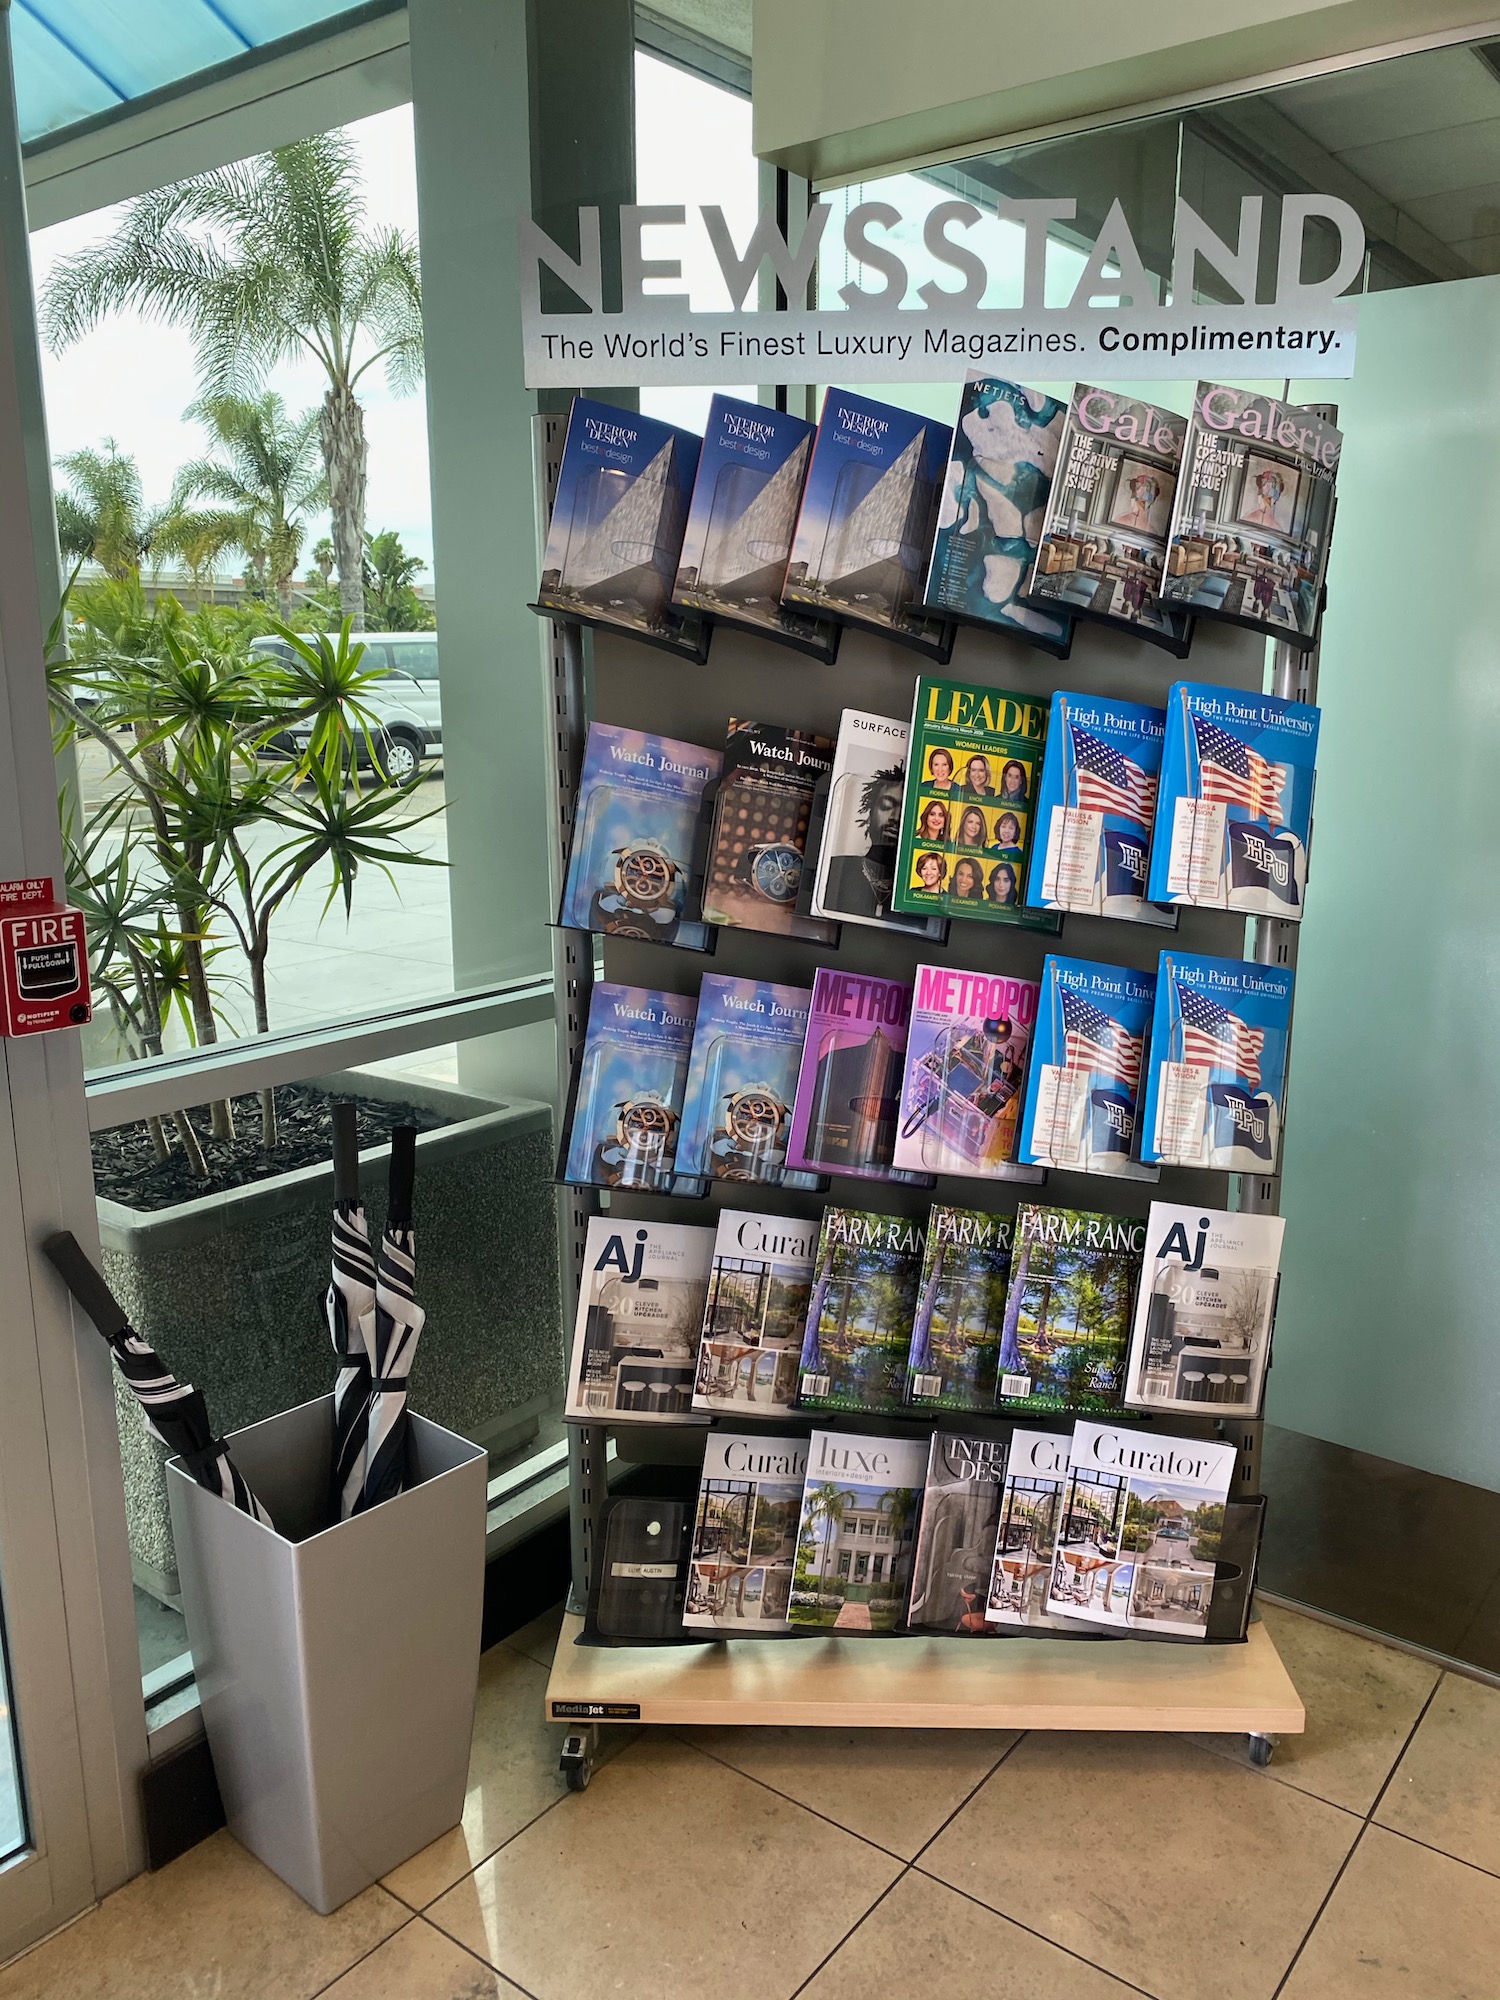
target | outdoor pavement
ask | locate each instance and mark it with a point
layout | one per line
(756, 1864)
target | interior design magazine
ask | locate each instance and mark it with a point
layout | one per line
(745, 1533)
(952, 1562)
(966, 1055)
(955, 1336)
(1201, 1335)
(751, 471)
(969, 809)
(849, 1086)
(1073, 1278)
(854, 1538)
(640, 1309)
(630, 869)
(627, 1101)
(754, 1314)
(868, 513)
(1036, 1474)
(1253, 513)
(1216, 1073)
(618, 519)
(1087, 1053)
(1103, 541)
(1140, 1527)
(859, 1315)
(855, 877)
(1234, 814)
(990, 512)
(741, 1079)
(758, 838)
(1095, 808)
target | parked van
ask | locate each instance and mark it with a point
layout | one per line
(406, 701)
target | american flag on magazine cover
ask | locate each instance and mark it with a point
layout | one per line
(1093, 1040)
(1231, 773)
(1108, 781)
(1212, 1035)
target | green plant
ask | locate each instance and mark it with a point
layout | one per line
(391, 602)
(268, 477)
(102, 515)
(262, 261)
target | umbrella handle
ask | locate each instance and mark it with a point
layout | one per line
(345, 1153)
(67, 1256)
(403, 1175)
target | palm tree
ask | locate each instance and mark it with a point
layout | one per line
(263, 261)
(390, 577)
(101, 514)
(269, 476)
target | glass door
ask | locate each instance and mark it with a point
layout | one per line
(13, 1831)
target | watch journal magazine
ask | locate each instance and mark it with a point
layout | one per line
(626, 1107)
(741, 1079)
(758, 840)
(629, 872)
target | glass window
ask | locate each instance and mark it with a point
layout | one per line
(12, 1804)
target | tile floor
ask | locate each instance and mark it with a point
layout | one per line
(759, 1864)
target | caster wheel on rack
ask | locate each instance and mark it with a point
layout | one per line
(576, 1763)
(1262, 1748)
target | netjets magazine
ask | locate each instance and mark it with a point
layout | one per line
(1201, 1335)
(745, 1533)
(1139, 1534)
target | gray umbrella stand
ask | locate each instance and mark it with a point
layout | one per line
(336, 1665)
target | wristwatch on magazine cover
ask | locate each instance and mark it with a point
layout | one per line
(774, 870)
(751, 1141)
(642, 903)
(638, 1152)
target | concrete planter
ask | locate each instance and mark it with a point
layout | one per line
(229, 1289)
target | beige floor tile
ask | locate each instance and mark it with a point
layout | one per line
(1403, 1924)
(419, 1963)
(215, 1925)
(925, 1939)
(538, 1640)
(672, 1877)
(1150, 1858)
(1446, 1790)
(892, 1786)
(1361, 1700)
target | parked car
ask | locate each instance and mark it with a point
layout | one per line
(406, 702)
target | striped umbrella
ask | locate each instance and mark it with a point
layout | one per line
(391, 1330)
(350, 1296)
(175, 1413)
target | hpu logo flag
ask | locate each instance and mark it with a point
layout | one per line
(1125, 864)
(1240, 1120)
(1111, 1121)
(1256, 861)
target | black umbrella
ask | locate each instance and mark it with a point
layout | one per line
(391, 1329)
(175, 1413)
(350, 1296)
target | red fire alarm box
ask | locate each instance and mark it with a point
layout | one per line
(44, 983)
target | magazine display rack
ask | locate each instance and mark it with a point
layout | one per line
(906, 1681)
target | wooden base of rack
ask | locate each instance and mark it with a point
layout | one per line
(931, 1684)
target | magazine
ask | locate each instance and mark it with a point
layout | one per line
(868, 514)
(968, 811)
(1095, 809)
(759, 834)
(746, 497)
(1073, 1279)
(1216, 1071)
(1140, 1528)
(966, 1057)
(741, 1079)
(1103, 541)
(1253, 513)
(640, 1308)
(754, 1315)
(855, 1533)
(1083, 1085)
(1036, 1472)
(849, 1085)
(627, 1097)
(1234, 816)
(629, 872)
(955, 1552)
(745, 1533)
(859, 1315)
(990, 513)
(617, 521)
(861, 824)
(955, 1336)
(1201, 1336)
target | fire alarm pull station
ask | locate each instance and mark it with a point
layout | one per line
(45, 983)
